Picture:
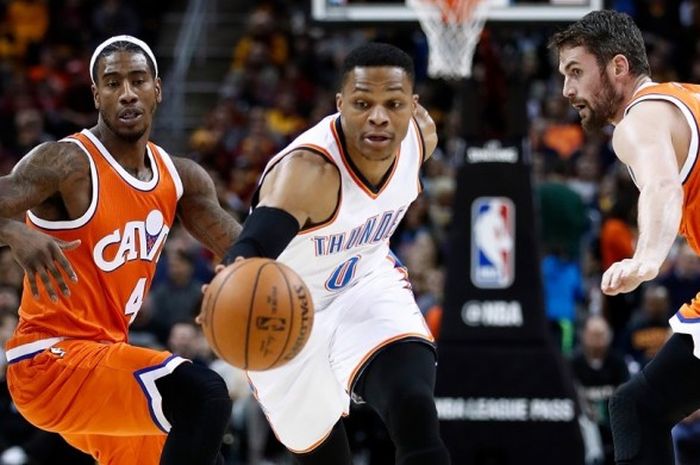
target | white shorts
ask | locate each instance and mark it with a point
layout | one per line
(687, 321)
(305, 398)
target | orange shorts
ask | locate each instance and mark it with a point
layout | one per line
(102, 398)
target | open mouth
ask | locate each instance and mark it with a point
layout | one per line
(130, 116)
(377, 139)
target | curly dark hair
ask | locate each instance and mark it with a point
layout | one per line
(606, 33)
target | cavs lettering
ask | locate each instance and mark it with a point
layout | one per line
(138, 240)
(121, 235)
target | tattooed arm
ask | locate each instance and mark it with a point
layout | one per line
(199, 209)
(49, 169)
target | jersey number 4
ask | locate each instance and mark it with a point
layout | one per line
(133, 305)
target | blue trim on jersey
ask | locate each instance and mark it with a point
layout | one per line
(138, 374)
(397, 262)
(26, 356)
(687, 320)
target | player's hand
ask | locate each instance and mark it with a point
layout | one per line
(626, 275)
(41, 254)
(217, 269)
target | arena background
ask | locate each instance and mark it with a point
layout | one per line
(526, 361)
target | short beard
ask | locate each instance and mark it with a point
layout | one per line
(602, 114)
(128, 137)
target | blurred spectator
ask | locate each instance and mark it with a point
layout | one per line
(586, 175)
(9, 300)
(617, 236)
(649, 329)
(563, 290)
(186, 340)
(560, 135)
(262, 32)
(29, 21)
(563, 217)
(29, 125)
(11, 274)
(598, 369)
(283, 118)
(178, 298)
(113, 17)
(683, 279)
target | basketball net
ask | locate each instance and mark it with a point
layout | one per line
(453, 28)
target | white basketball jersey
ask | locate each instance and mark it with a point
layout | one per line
(332, 256)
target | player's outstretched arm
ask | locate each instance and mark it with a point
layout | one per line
(49, 169)
(643, 140)
(301, 189)
(427, 128)
(200, 211)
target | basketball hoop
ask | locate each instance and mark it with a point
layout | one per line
(453, 28)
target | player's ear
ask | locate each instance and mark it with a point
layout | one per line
(414, 103)
(158, 87)
(95, 96)
(621, 66)
(338, 101)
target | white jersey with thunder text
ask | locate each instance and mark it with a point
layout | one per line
(333, 256)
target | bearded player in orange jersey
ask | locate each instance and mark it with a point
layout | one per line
(607, 79)
(99, 205)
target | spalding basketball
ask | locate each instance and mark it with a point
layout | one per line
(257, 314)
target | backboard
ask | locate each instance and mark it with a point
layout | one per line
(500, 10)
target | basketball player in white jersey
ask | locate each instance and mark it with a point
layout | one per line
(327, 206)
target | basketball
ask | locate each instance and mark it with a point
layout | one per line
(257, 314)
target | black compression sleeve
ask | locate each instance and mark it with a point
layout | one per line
(266, 233)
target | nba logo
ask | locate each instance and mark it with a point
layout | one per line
(493, 242)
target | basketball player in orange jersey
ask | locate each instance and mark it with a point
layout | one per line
(326, 206)
(99, 205)
(607, 79)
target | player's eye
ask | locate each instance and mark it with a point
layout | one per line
(138, 82)
(361, 104)
(112, 84)
(395, 105)
(576, 72)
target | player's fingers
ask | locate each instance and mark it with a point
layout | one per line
(65, 264)
(47, 284)
(69, 245)
(605, 280)
(617, 277)
(31, 277)
(204, 288)
(198, 319)
(219, 268)
(59, 279)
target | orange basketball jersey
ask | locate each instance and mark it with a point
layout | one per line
(686, 97)
(122, 235)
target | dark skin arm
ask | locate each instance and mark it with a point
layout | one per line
(200, 212)
(305, 185)
(50, 169)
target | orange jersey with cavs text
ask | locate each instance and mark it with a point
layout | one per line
(122, 235)
(686, 97)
